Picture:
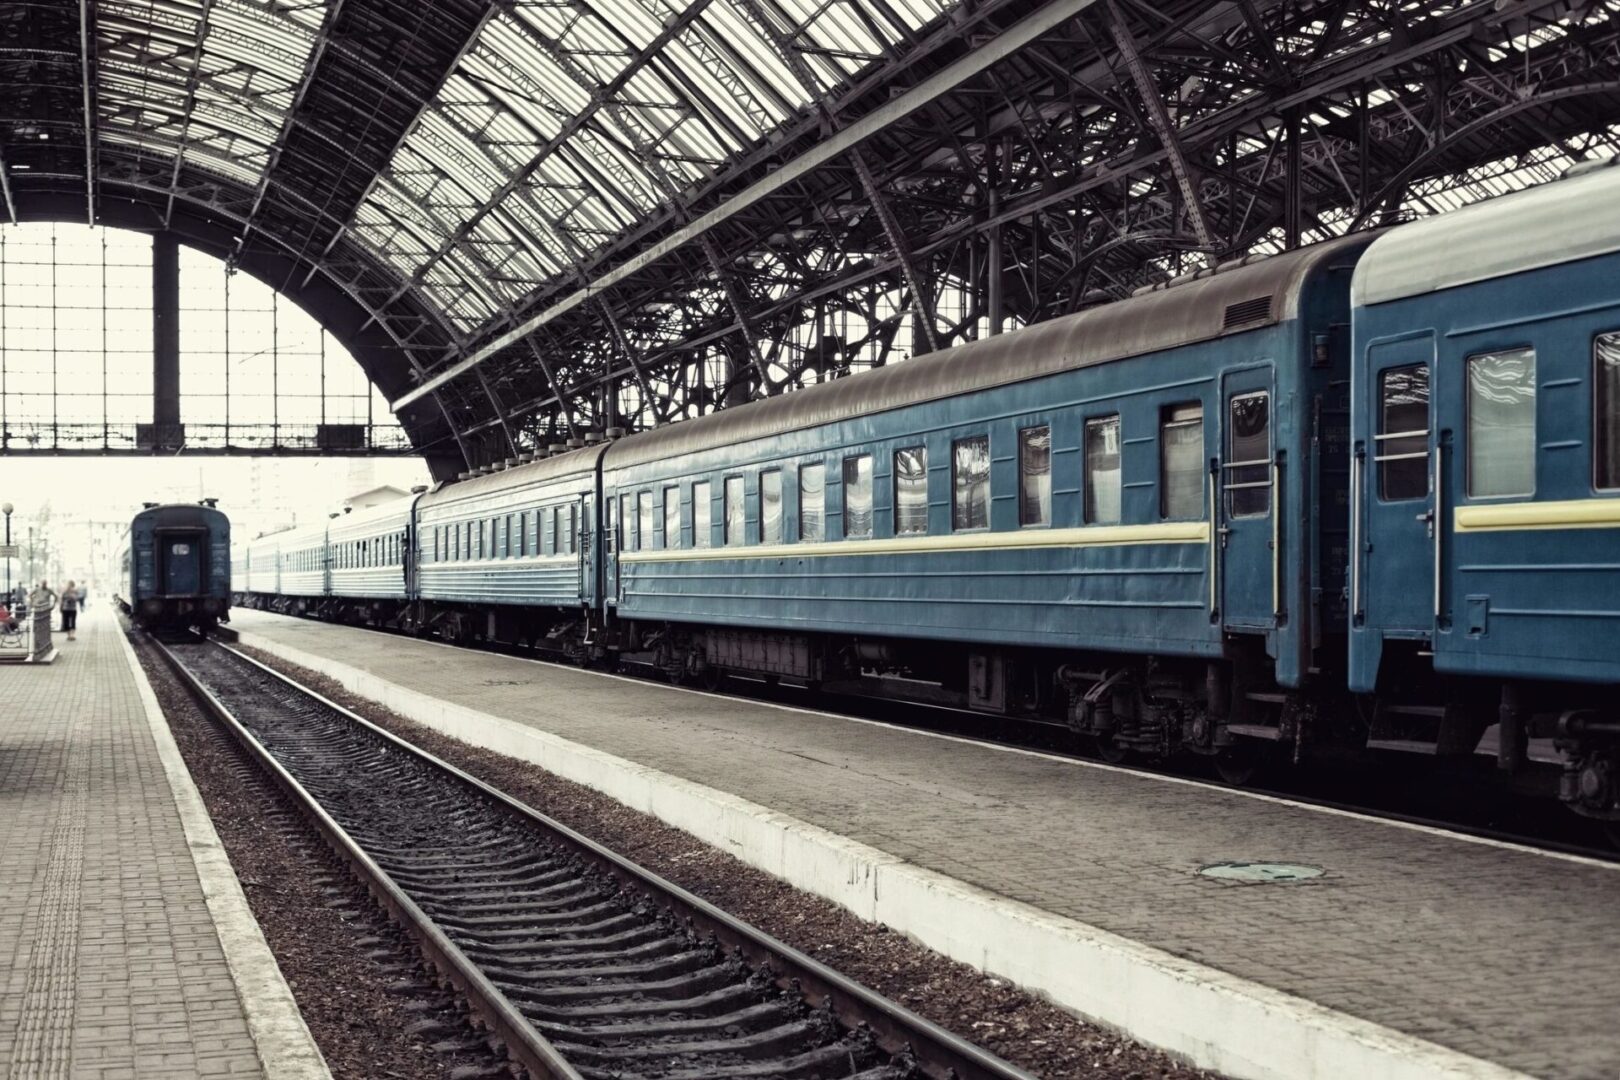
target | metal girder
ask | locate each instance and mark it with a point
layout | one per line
(322, 38)
(87, 78)
(1159, 117)
(834, 147)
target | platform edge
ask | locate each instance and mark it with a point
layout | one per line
(1209, 1017)
(282, 1041)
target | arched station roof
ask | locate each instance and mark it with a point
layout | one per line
(525, 217)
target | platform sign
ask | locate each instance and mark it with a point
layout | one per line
(10, 551)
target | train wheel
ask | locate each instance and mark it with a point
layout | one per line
(1108, 748)
(1240, 763)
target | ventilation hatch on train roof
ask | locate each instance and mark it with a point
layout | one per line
(1247, 311)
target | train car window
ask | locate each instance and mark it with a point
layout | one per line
(569, 525)
(644, 514)
(970, 483)
(1248, 455)
(770, 506)
(812, 502)
(548, 532)
(1606, 411)
(627, 524)
(1181, 461)
(1035, 476)
(1102, 471)
(736, 510)
(1403, 433)
(911, 491)
(1502, 423)
(702, 535)
(858, 497)
(672, 517)
(534, 532)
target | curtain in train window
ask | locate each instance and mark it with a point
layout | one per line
(770, 506)
(1102, 471)
(1181, 462)
(1035, 476)
(1403, 433)
(1502, 423)
(672, 517)
(644, 515)
(970, 483)
(1248, 455)
(736, 509)
(858, 497)
(911, 491)
(702, 533)
(812, 502)
(1606, 411)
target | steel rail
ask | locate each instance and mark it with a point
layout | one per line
(523, 1043)
(937, 1053)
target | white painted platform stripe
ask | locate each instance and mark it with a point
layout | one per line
(1216, 1020)
(286, 1049)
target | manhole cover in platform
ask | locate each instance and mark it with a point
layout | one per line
(1261, 872)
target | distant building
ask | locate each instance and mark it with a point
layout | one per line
(376, 496)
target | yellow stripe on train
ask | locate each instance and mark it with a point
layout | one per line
(1169, 532)
(1571, 514)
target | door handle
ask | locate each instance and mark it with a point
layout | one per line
(1225, 533)
(1427, 517)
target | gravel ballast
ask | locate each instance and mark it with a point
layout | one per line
(1026, 1030)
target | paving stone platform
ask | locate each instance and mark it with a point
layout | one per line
(1500, 954)
(111, 965)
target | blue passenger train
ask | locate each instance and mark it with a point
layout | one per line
(174, 566)
(1359, 496)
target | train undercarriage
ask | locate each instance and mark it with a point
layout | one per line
(1547, 740)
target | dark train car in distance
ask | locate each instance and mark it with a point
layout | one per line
(174, 566)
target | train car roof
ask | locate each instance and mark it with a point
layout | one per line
(366, 519)
(196, 513)
(572, 463)
(1212, 305)
(1577, 217)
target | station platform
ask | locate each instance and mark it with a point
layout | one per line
(126, 947)
(1414, 953)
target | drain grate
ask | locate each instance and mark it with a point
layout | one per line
(1260, 873)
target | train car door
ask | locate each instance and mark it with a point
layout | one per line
(1247, 515)
(1393, 580)
(181, 572)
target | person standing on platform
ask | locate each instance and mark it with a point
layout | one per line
(70, 610)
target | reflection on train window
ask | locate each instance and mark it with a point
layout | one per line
(736, 520)
(1606, 411)
(1502, 423)
(644, 516)
(672, 517)
(702, 536)
(911, 491)
(812, 502)
(770, 506)
(970, 483)
(1248, 455)
(1403, 433)
(858, 497)
(1181, 461)
(1102, 471)
(1035, 476)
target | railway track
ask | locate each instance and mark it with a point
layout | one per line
(582, 963)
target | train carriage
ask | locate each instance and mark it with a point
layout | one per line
(175, 566)
(1486, 584)
(1154, 482)
(509, 554)
(367, 554)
